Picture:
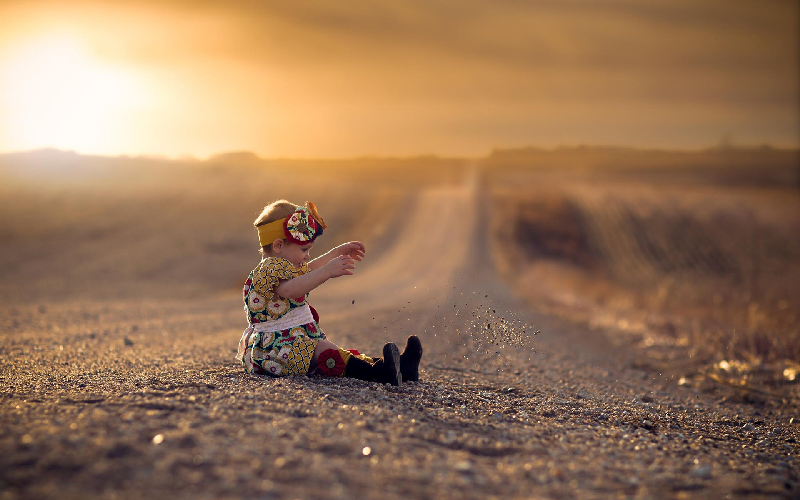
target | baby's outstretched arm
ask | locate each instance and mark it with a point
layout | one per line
(297, 287)
(353, 249)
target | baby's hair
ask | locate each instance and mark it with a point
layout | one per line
(277, 210)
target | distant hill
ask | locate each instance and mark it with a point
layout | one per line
(764, 166)
(726, 165)
(235, 158)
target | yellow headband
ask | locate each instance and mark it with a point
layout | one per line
(302, 227)
(270, 232)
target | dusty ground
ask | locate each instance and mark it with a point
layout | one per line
(123, 385)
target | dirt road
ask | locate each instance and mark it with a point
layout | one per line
(141, 398)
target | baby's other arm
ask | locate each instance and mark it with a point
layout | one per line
(297, 287)
(353, 249)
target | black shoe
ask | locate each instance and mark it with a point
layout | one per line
(387, 369)
(409, 360)
(358, 368)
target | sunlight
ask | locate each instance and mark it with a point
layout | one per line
(55, 94)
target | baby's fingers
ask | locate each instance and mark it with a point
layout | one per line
(342, 266)
(354, 249)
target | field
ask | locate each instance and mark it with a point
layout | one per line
(596, 323)
(695, 256)
(122, 227)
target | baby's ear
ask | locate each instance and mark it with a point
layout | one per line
(277, 245)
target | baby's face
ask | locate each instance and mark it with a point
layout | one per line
(296, 254)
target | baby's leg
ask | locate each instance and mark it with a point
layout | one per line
(322, 345)
(335, 362)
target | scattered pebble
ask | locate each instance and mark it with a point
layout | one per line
(701, 472)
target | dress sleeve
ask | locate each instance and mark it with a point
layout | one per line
(272, 272)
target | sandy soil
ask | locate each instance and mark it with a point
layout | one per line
(136, 394)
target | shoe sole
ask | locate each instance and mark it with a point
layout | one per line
(391, 358)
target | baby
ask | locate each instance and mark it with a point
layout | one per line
(283, 336)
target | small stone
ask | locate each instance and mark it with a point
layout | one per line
(119, 450)
(748, 427)
(464, 465)
(128, 341)
(762, 442)
(701, 472)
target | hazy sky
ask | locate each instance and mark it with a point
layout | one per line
(400, 77)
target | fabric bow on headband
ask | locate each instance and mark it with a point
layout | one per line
(301, 228)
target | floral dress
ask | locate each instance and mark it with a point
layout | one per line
(282, 333)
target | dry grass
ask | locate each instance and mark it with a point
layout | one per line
(76, 227)
(703, 261)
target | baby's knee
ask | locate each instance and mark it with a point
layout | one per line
(324, 345)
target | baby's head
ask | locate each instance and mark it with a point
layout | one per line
(288, 230)
(275, 211)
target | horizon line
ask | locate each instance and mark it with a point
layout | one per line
(257, 157)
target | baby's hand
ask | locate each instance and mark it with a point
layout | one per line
(340, 266)
(353, 249)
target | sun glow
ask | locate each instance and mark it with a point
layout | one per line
(54, 93)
